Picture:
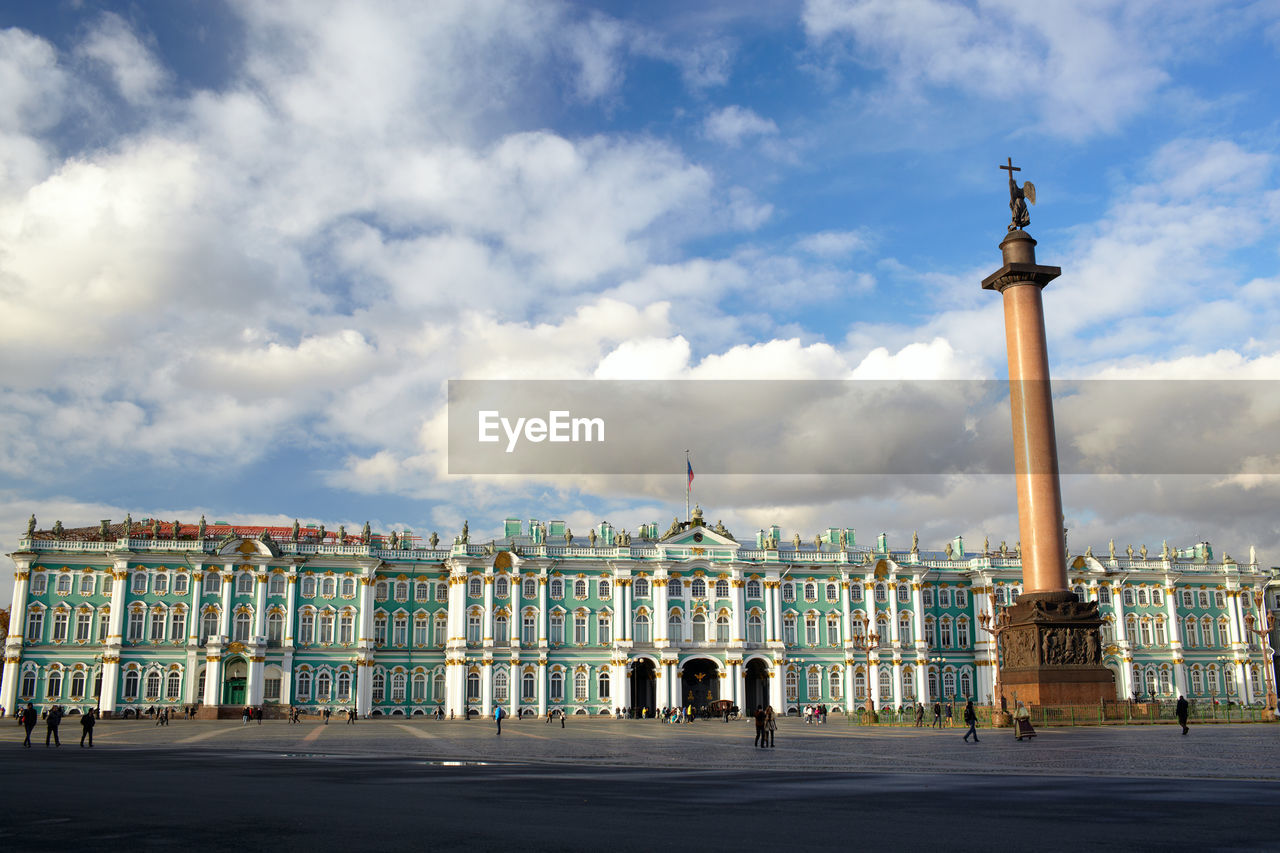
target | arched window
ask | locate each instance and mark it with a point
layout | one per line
(242, 626)
(949, 684)
(209, 624)
(836, 677)
(788, 591)
(304, 685)
(422, 628)
(698, 589)
(753, 589)
(642, 628)
(833, 593)
(212, 583)
(1224, 634)
(604, 628)
(28, 688)
(904, 594)
(53, 687)
(530, 588)
(813, 685)
(789, 629)
(379, 687)
(580, 686)
(722, 629)
(641, 589)
(402, 591)
(699, 628)
(1127, 597)
(882, 628)
(131, 682)
(966, 686)
(1142, 597)
(244, 583)
(859, 685)
(64, 583)
(276, 584)
(529, 627)
(1192, 632)
(422, 591)
(675, 628)
(420, 687)
(39, 583)
(1166, 688)
(1104, 594)
(557, 628)
(344, 686)
(1131, 630)
(882, 593)
(77, 684)
(855, 591)
(604, 686)
(555, 588)
(501, 587)
(908, 682)
(528, 687)
(398, 683)
(810, 591)
(962, 632)
(440, 630)
(557, 687)
(904, 627)
(500, 686)
(380, 590)
(87, 583)
(833, 629)
(811, 629)
(722, 589)
(400, 629)
(580, 628)
(674, 588)
(1160, 637)
(173, 689)
(275, 628)
(604, 590)
(755, 629)
(886, 685)
(475, 587)
(1197, 681)
(501, 630)
(793, 686)
(139, 582)
(580, 589)
(328, 587)
(324, 686)
(380, 628)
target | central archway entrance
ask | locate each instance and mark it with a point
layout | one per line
(699, 683)
(756, 694)
(644, 688)
(235, 682)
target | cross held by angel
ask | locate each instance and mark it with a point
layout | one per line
(1018, 197)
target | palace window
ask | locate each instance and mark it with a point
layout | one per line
(530, 588)
(722, 629)
(380, 591)
(276, 584)
(641, 589)
(275, 628)
(908, 682)
(904, 628)
(60, 625)
(1165, 687)
(422, 628)
(529, 627)
(528, 688)
(881, 593)
(962, 598)
(789, 629)
(1219, 600)
(962, 632)
(904, 594)
(699, 588)
(400, 630)
(213, 583)
(303, 685)
(475, 587)
(501, 587)
(603, 686)
(1188, 598)
(135, 626)
(944, 598)
(755, 629)
(642, 628)
(1197, 680)
(84, 626)
(947, 641)
(557, 628)
(699, 628)
(788, 591)
(675, 628)
(28, 690)
(501, 630)
(1127, 597)
(437, 687)
(580, 686)
(1157, 597)
(1203, 598)
(859, 685)
(580, 629)
(886, 685)
(793, 686)
(1131, 630)
(930, 632)
(604, 590)
(242, 626)
(473, 626)
(604, 628)
(422, 591)
(131, 680)
(1108, 630)
(811, 629)
(833, 593)
(86, 584)
(836, 677)
(926, 596)
(1191, 631)
(722, 589)
(810, 592)
(556, 589)
(157, 626)
(159, 587)
(244, 583)
(966, 686)
(173, 688)
(139, 582)
(833, 629)
(1161, 639)
(500, 686)
(440, 630)
(1142, 597)
(402, 591)
(419, 687)
(39, 583)
(580, 589)
(380, 629)
(1224, 634)
(398, 681)
(1104, 594)
(77, 684)
(209, 625)
(949, 683)
(813, 685)
(379, 687)
(753, 589)
(53, 688)
(675, 589)
(557, 687)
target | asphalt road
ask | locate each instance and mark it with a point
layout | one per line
(73, 799)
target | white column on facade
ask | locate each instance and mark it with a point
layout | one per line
(514, 686)
(486, 687)
(228, 584)
(13, 639)
(1122, 640)
(621, 620)
(488, 610)
(364, 686)
(873, 680)
(770, 611)
(618, 684)
(1180, 684)
(196, 617)
(286, 677)
(897, 680)
(850, 701)
(677, 701)
(917, 611)
(922, 680)
(660, 607)
(1235, 630)
(260, 606)
(738, 619)
(543, 617)
(115, 637)
(846, 618)
(735, 682)
(290, 611)
(894, 638)
(542, 687)
(777, 687)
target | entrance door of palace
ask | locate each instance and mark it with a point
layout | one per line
(757, 687)
(644, 688)
(235, 682)
(700, 683)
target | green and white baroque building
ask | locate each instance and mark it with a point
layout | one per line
(536, 621)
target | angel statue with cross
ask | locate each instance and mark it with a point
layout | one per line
(1018, 198)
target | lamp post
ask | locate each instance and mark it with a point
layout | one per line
(1270, 623)
(995, 627)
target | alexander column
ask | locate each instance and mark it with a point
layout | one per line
(1052, 649)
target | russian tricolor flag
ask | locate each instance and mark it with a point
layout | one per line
(690, 467)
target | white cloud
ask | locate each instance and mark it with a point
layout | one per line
(834, 244)
(734, 124)
(133, 69)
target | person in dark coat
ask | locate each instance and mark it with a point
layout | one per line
(1182, 711)
(87, 721)
(51, 725)
(28, 722)
(971, 717)
(760, 735)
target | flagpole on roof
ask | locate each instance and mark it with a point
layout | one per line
(688, 486)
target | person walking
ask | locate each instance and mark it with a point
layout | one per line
(245, 713)
(562, 716)
(759, 716)
(28, 722)
(971, 717)
(950, 717)
(937, 715)
(1022, 723)
(1182, 711)
(86, 727)
(498, 714)
(770, 723)
(51, 725)
(919, 715)
(257, 713)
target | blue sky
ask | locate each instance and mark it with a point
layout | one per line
(243, 246)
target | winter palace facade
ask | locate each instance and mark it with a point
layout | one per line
(163, 614)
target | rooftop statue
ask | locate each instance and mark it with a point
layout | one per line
(1112, 548)
(128, 524)
(293, 531)
(435, 539)
(31, 525)
(591, 534)
(320, 534)
(915, 542)
(674, 528)
(200, 529)
(1018, 198)
(102, 528)
(466, 532)
(342, 534)
(366, 535)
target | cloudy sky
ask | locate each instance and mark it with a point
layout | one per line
(244, 246)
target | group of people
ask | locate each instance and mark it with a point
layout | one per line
(28, 717)
(815, 714)
(940, 712)
(766, 725)
(250, 713)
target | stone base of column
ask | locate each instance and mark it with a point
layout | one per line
(1053, 652)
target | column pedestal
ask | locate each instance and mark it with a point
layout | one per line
(1053, 653)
